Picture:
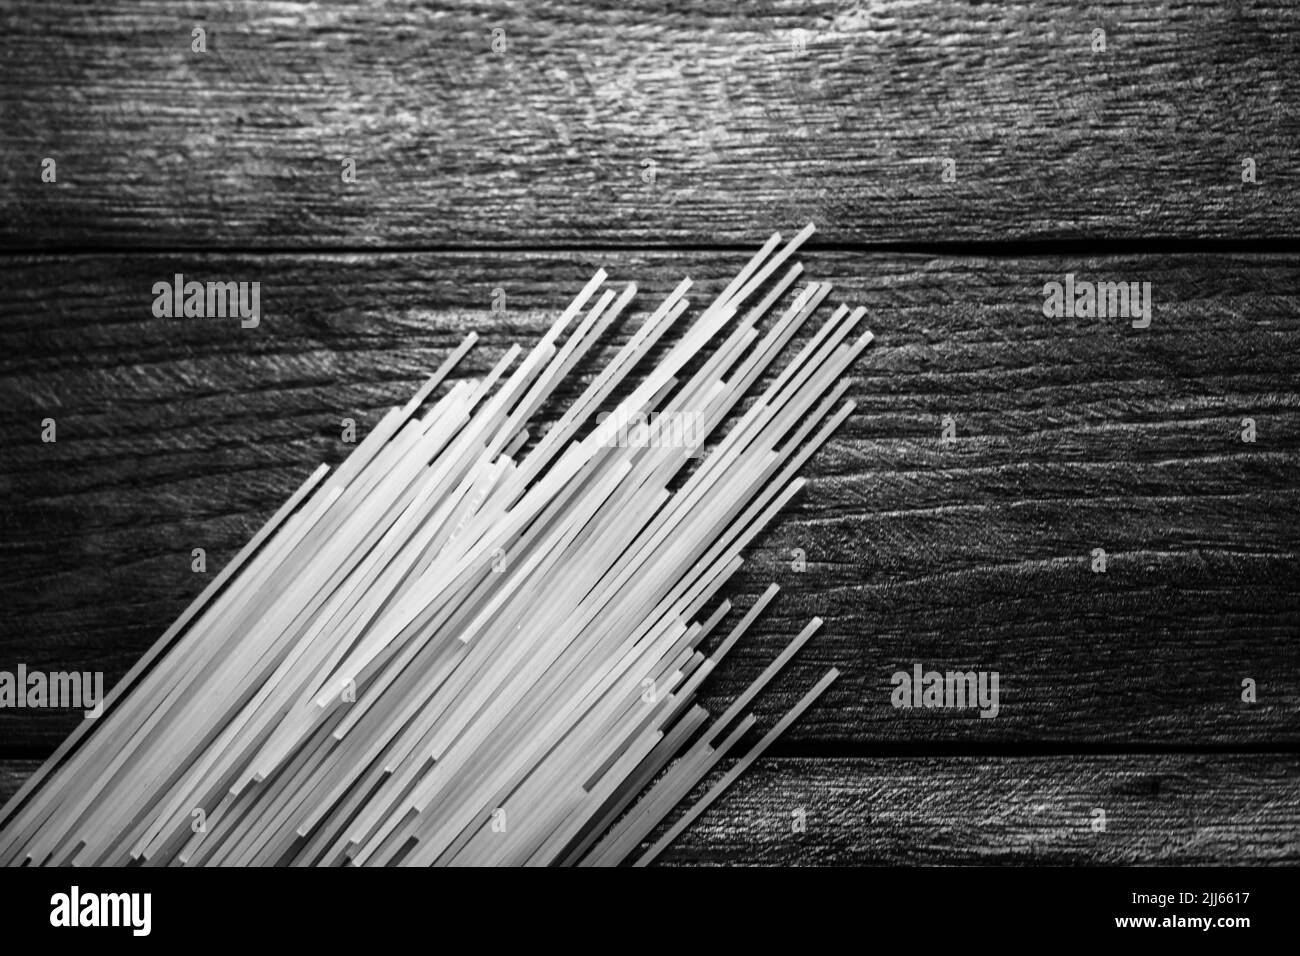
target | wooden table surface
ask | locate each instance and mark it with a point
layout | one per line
(660, 140)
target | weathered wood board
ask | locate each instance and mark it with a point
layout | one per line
(644, 122)
(1071, 435)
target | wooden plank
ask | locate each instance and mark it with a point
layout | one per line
(12, 775)
(549, 140)
(1171, 809)
(1072, 434)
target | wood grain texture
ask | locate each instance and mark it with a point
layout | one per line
(1072, 434)
(12, 775)
(1168, 809)
(1171, 810)
(548, 141)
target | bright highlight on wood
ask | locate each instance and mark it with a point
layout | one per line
(467, 646)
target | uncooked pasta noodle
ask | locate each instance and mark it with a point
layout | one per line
(478, 641)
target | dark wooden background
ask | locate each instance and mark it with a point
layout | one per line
(523, 171)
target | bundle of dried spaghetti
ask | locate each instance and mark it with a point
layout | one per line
(471, 644)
